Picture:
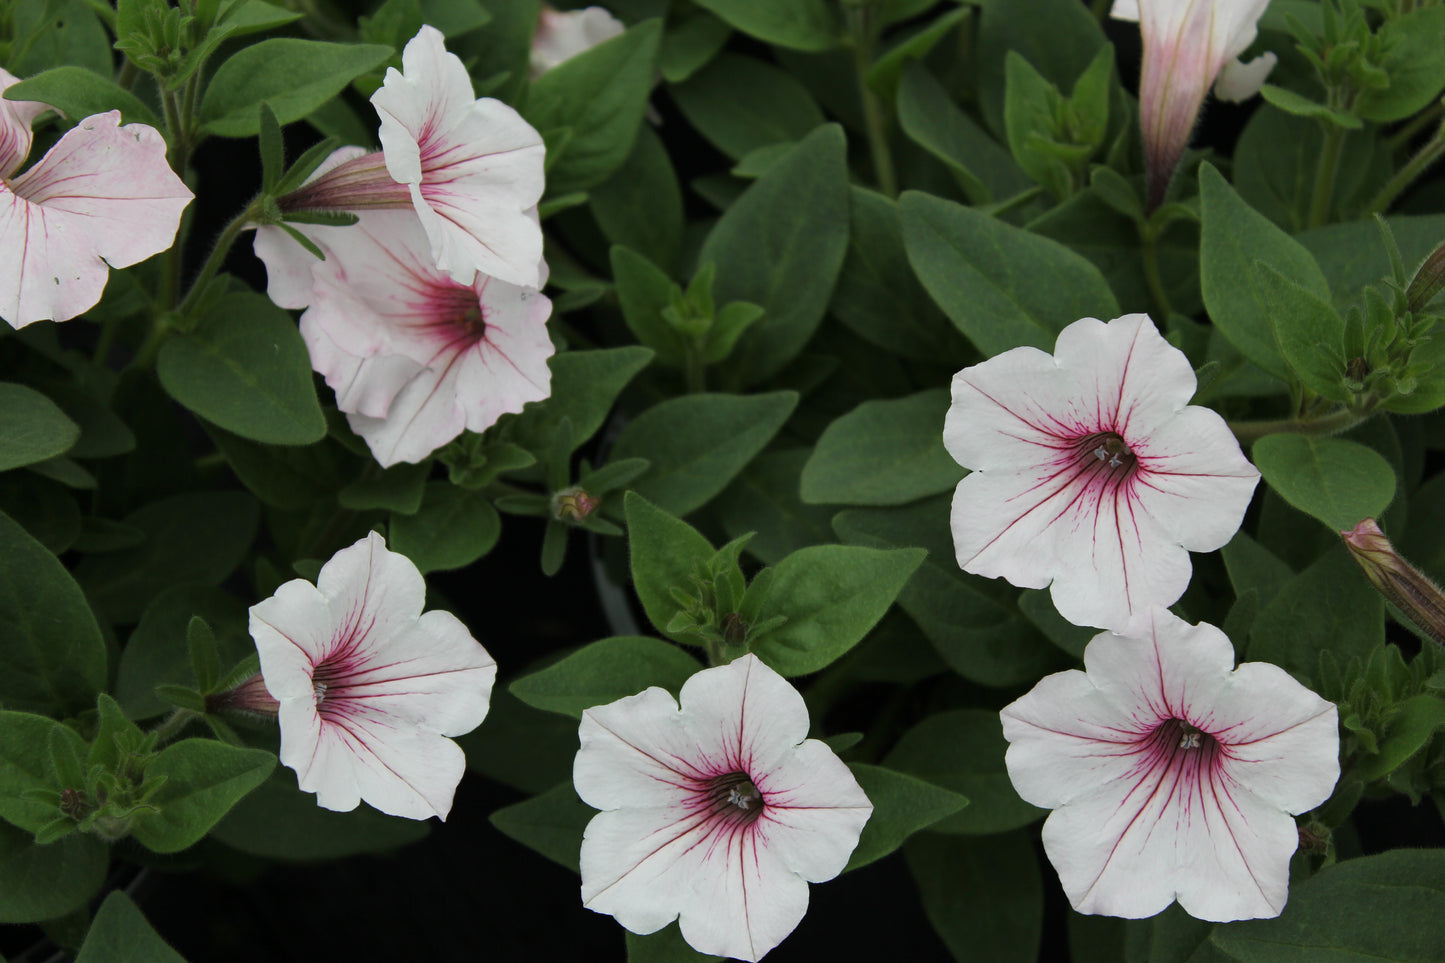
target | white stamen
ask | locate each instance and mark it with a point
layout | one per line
(1101, 453)
(743, 796)
(320, 689)
(1190, 740)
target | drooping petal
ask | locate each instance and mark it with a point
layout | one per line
(103, 195)
(364, 386)
(474, 166)
(16, 116)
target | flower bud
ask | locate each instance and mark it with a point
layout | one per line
(1402, 583)
(573, 504)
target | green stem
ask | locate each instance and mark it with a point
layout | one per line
(873, 118)
(1400, 139)
(104, 342)
(128, 73)
(174, 723)
(714, 652)
(218, 256)
(1338, 420)
(1159, 306)
(1406, 175)
(694, 371)
(1325, 173)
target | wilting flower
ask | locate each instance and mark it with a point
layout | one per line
(564, 34)
(414, 356)
(718, 813)
(1413, 593)
(103, 195)
(470, 168)
(1171, 776)
(1091, 470)
(1188, 45)
(369, 685)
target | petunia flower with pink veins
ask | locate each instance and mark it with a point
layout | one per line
(717, 812)
(415, 357)
(470, 168)
(1189, 45)
(369, 686)
(1172, 774)
(1091, 471)
(102, 197)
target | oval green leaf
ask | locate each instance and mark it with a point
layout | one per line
(1337, 481)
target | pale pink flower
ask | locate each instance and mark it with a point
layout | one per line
(718, 813)
(102, 197)
(563, 34)
(1189, 45)
(1172, 774)
(370, 687)
(415, 357)
(472, 169)
(1090, 470)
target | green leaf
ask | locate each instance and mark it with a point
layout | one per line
(692, 39)
(65, 32)
(197, 537)
(795, 24)
(50, 644)
(699, 443)
(78, 93)
(1414, 46)
(982, 894)
(1252, 566)
(600, 96)
(929, 117)
(902, 805)
(1384, 907)
(963, 750)
(1038, 608)
(45, 510)
(521, 747)
(453, 528)
(205, 778)
(399, 489)
(1059, 37)
(25, 750)
(664, 550)
(883, 453)
(764, 500)
(1410, 729)
(154, 655)
(1236, 244)
(879, 297)
(781, 245)
(551, 823)
(584, 386)
(1309, 332)
(1301, 106)
(604, 672)
(740, 104)
(32, 427)
(643, 291)
(1339, 482)
(884, 75)
(292, 478)
(111, 723)
(1329, 606)
(640, 205)
(120, 933)
(1000, 285)
(294, 76)
(1031, 108)
(664, 946)
(279, 821)
(44, 882)
(246, 369)
(831, 595)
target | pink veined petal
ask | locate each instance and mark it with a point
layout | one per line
(373, 592)
(508, 367)
(1159, 666)
(814, 811)
(744, 716)
(1136, 379)
(103, 194)
(635, 752)
(423, 416)
(1003, 524)
(730, 893)
(16, 116)
(1194, 481)
(363, 385)
(293, 630)
(419, 101)
(1011, 411)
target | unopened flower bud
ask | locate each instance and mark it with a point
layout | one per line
(251, 697)
(1402, 583)
(573, 504)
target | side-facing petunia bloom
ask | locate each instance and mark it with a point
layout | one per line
(415, 357)
(471, 168)
(717, 813)
(1090, 470)
(369, 686)
(102, 197)
(1189, 45)
(563, 34)
(1172, 774)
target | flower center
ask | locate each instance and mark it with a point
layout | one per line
(1110, 450)
(1178, 734)
(735, 796)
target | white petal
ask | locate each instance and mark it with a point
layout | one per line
(814, 811)
(1134, 377)
(1238, 81)
(635, 752)
(1159, 666)
(563, 34)
(1125, 10)
(293, 630)
(1009, 412)
(375, 590)
(363, 385)
(1194, 480)
(744, 716)
(423, 416)
(16, 116)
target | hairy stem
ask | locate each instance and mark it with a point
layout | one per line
(1326, 172)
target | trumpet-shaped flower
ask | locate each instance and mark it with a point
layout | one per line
(717, 813)
(369, 686)
(414, 356)
(563, 34)
(102, 197)
(1091, 471)
(470, 168)
(1189, 45)
(1172, 774)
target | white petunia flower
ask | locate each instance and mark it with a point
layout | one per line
(717, 813)
(1091, 471)
(563, 34)
(369, 686)
(1172, 774)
